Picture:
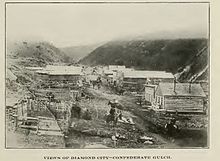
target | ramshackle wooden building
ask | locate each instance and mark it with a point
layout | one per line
(60, 76)
(176, 97)
(137, 79)
(61, 73)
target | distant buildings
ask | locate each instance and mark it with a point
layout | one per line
(134, 80)
(114, 72)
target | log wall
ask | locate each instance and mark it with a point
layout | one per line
(184, 103)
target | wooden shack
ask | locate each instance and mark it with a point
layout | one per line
(180, 97)
(137, 79)
(69, 74)
(149, 93)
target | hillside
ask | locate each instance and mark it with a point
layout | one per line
(78, 52)
(169, 55)
(34, 53)
(197, 69)
(22, 54)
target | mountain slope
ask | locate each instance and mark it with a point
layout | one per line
(197, 69)
(169, 55)
(78, 52)
(23, 54)
(34, 53)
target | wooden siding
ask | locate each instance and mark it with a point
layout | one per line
(64, 77)
(149, 94)
(184, 103)
(42, 76)
(156, 81)
(136, 80)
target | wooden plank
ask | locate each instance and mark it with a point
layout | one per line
(185, 104)
(28, 127)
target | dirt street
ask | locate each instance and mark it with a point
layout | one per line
(96, 133)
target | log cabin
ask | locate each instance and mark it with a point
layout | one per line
(179, 97)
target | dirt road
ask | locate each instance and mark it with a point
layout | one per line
(96, 133)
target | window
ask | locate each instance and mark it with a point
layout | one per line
(158, 99)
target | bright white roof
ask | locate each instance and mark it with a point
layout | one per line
(62, 70)
(64, 73)
(181, 89)
(147, 74)
(116, 67)
(106, 71)
(34, 68)
(126, 70)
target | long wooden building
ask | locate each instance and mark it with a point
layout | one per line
(137, 79)
(60, 73)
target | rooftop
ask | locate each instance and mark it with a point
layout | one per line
(181, 89)
(116, 67)
(61, 70)
(147, 74)
(34, 68)
(106, 71)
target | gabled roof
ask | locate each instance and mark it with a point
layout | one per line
(182, 89)
(147, 74)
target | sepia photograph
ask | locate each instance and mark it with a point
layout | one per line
(101, 75)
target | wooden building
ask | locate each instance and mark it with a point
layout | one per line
(60, 73)
(179, 97)
(114, 73)
(149, 93)
(137, 79)
(60, 76)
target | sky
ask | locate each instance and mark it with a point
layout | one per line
(82, 24)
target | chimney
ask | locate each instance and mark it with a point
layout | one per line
(190, 87)
(174, 85)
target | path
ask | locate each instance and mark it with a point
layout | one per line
(95, 133)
